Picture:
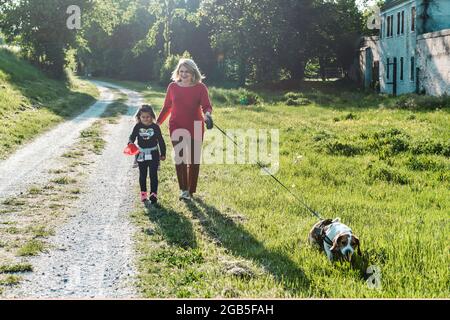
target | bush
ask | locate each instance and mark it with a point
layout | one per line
(414, 102)
(428, 146)
(381, 172)
(423, 163)
(293, 96)
(388, 142)
(341, 148)
(247, 97)
(297, 102)
(295, 99)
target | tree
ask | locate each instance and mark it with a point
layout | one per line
(336, 33)
(260, 36)
(40, 28)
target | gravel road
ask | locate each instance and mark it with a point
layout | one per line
(30, 164)
(92, 255)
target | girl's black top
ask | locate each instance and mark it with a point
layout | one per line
(148, 137)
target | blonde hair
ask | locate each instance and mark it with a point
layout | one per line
(192, 68)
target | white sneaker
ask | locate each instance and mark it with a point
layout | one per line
(185, 195)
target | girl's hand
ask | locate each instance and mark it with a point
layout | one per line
(162, 158)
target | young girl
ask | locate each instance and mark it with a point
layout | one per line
(149, 137)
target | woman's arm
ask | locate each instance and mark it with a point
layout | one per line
(205, 102)
(167, 108)
(206, 107)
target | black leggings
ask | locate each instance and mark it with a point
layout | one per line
(146, 167)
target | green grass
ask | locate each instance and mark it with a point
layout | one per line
(13, 201)
(64, 180)
(31, 103)
(375, 161)
(31, 248)
(10, 280)
(15, 268)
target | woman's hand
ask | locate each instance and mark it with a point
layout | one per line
(209, 121)
(162, 158)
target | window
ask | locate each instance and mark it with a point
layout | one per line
(401, 68)
(413, 19)
(381, 28)
(413, 67)
(388, 67)
(403, 22)
(390, 26)
(398, 23)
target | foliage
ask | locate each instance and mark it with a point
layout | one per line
(242, 41)
(40, 28)
(169, 66)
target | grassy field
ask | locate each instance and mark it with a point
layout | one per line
(380, 163)
(31, 103)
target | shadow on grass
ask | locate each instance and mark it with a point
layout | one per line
(176, 229)
(241, 243)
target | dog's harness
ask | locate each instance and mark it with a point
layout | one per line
(319, 231)
(145, 154)
(322, 235)
(327, 240)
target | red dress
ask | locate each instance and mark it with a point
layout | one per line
(185, 104)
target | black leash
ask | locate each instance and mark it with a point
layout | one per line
(275, 178)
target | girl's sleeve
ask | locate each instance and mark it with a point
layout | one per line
(162, 144)
(204, 100)
(133, 135)
(167, 108)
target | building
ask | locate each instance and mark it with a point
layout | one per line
(412, 52)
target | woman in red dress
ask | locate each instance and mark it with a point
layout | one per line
(188, 104)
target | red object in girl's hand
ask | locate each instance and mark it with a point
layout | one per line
(131, 150)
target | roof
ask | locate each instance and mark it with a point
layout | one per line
(392, 3)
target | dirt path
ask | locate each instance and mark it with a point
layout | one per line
(30, 164)
(93, 255)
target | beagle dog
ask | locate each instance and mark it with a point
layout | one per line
(335, 238)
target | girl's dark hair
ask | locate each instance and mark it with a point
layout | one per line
(145, 108)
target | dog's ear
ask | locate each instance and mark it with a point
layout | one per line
(357, 244)
(336, 241)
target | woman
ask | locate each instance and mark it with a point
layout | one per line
(185, 100)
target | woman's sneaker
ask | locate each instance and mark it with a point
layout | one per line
(153, 198)
(185, 195)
